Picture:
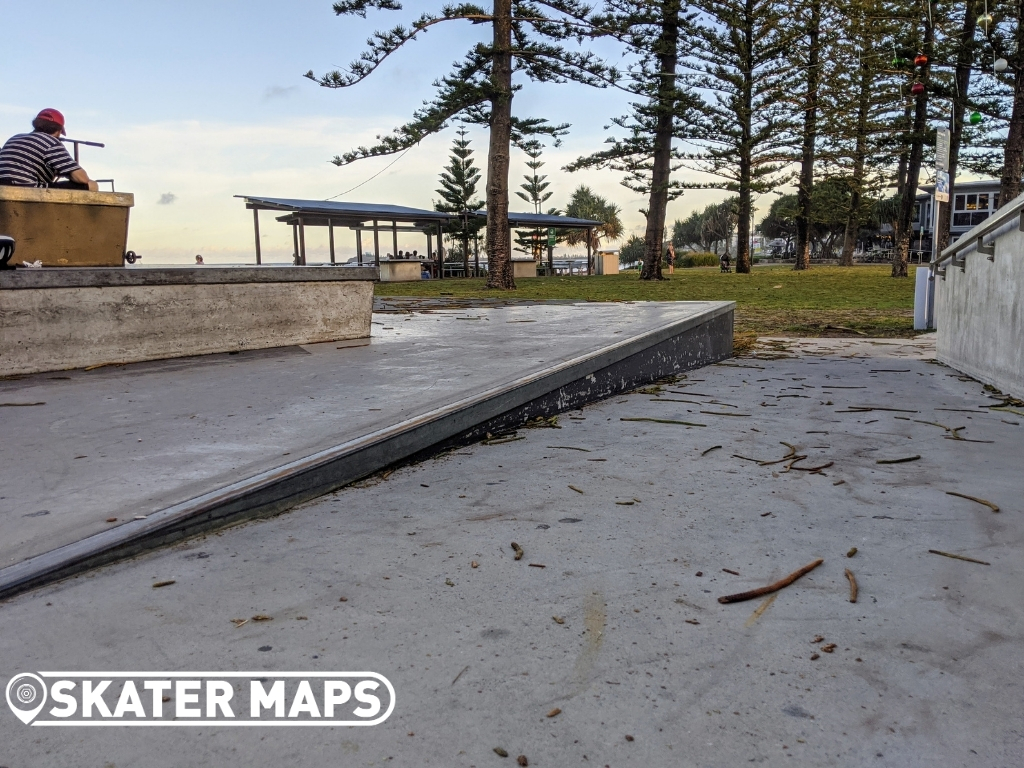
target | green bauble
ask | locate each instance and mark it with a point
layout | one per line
(975, 118)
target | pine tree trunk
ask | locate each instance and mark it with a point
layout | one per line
(1013, 155)
(810, 135)
(744, 159)
(859, 154)
(667, 52)
(964, 58)
(904, 226)
(498, 236)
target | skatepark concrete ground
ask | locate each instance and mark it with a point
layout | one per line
(639, 526)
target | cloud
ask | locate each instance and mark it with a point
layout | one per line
(167, 198)
(279, 92)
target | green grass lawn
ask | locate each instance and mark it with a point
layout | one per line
(771, 300)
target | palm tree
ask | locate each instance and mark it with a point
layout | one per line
(584, 204)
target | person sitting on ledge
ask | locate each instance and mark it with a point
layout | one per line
(37, 159)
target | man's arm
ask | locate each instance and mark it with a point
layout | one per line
(79, 176)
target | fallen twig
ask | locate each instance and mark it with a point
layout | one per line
(958, 557)
(844, 328)
(771, 587)
(25, 405)
(537, 565)
(866, 408)
(853, 585)
(570, 448)
(988, 504)
(501, 440)
(573, 487)
(897, 461)
(518, 550)
(661, 421)
(460, 674)
(709, 450)
(734, 573)
(724, 413)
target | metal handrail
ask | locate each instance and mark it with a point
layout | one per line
(974, 236)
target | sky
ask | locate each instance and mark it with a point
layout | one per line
(199, 101)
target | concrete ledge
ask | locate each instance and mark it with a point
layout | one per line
(72, 277)
(77, 318)
(681, 346)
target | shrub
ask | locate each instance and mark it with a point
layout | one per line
(698, 260)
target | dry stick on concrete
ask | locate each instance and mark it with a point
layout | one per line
(844, 328)
(958, 557)
(24, 405)
(988, 504)
(709, 450)
(740, 597)
(898, 461)
(853, 585)
(573, 487)
(460, 674)
(570, 448)
(662, 421)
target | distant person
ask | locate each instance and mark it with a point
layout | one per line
(39, 158)
(724, 260)
(199, 259)
(416, 255)
(670, 255)
(401, 255)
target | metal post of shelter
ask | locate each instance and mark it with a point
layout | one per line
(330, 238)
(394, 239)
(376, 245)
(589, 263)
(359, 246)
(430, 245)
(256, 226)
(295, 244)
(440, 253)
(476, 255)
(302, 242)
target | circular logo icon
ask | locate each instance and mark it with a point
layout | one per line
(26, 695)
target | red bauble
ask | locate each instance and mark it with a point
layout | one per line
(920, 60)
(917, 89)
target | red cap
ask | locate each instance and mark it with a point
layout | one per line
(53, 116)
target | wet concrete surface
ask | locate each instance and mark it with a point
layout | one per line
(646, 666)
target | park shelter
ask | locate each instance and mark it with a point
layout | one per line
(376, 220)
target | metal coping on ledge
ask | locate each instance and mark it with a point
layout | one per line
(108, 277)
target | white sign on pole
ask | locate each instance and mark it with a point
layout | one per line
(942, 149)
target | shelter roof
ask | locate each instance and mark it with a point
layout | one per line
(346, 213)
(360, 213)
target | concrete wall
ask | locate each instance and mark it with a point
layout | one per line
(48, 329)
(979, 314)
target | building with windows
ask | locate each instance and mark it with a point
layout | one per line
(973, 202)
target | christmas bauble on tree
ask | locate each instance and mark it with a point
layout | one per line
(975, 118)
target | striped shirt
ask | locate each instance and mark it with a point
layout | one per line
(34, 160)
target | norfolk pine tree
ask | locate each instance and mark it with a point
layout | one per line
(525, 37)
(652, 31)
(459, 180)
(534, 191)
(746, 130)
